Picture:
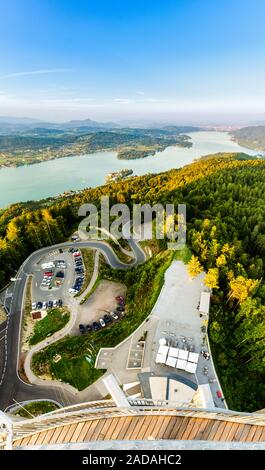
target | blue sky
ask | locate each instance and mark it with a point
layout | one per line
(113, 59)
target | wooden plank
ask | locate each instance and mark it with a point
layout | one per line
(70, 432)
(78, 430)
(214, 429)
(242, 432)
(164, 426)
(125, 427)
(84, 430)
(115, 423)
(192, 422)
(258, 433)
(207, 429)
(105, 427)
(137, 428)
(200, 429)
(149, 431)
(34, 438)
(232, 431)
(116, 427)
(24, 441)
(41, 438)
(144, 427)
(262, 437)
(98, 429)
(63, 433)
(219, 432)
(132, 427)
(169, 429)
(48, 436)
(181, 431)
(155, 426)
(176, 428)
(226, 431)
(195, 429)
(251, 433)
(89, 435)
(56, 434)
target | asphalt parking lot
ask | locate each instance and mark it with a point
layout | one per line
(43, 293)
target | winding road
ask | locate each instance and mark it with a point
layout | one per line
(12, 387)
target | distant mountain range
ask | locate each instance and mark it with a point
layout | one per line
(13, 124)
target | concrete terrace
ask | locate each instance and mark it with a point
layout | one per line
(174, 317)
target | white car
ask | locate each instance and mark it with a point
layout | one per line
(72, 291)
(55, 303)
(114, 315)
(102, 323)
(33, 305)
(44, 305)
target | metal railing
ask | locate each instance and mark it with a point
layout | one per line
(100, 410)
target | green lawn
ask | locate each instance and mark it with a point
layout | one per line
(76, 371)
(144, 283)
(36, 408)
(55, 319)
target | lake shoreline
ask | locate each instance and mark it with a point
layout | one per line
(53, 177)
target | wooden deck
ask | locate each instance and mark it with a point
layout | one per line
(146, 427)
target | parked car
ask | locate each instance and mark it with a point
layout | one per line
(60, 274)
(96, 326)
(48, 274)
(50, 304)
(55, 303)
(102, 323)
(89, 328)
(119, 297)
(107, 319)
(60, 302)
(120, 308)
(44, 305)
(114, 315)
(82, 328)
(39, 304)
(72, 290)
(33, 305)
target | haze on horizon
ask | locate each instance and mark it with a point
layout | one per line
(169, 60)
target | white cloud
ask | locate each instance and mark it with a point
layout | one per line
(34, 72)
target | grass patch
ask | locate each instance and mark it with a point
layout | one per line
(144, 283)
(36, 408)
(76, 371)
(183, 255)
(101, 263)
(55, 319)
(89, 260)
(3, 316)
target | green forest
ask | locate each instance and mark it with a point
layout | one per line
(224, 195)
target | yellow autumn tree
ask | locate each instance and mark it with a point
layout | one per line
(194, 267)
(212, 278)
(221, 261)
(241, 288)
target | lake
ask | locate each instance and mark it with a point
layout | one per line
(56, 176)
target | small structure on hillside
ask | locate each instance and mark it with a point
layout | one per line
(204, 306)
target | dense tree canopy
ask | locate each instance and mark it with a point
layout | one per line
(226, 232)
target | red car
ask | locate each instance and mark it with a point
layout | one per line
(120, 298)
(48, 274)
(76, 254)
